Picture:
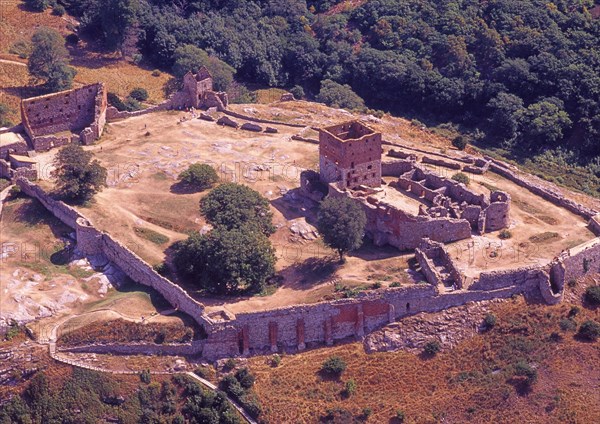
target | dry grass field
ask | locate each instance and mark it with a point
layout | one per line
(473, 382)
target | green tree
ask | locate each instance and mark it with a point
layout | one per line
(200, 176)
(225, 261)
(189, 58)
(589, 330)
(48, 59)
(544, 123)
(116, 17)
(338, 95)
(341, 222)
(38, 5)
(234, 205)
(334, 365)
(78, 176)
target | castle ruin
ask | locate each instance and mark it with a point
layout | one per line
(350, 155)
(77, 115)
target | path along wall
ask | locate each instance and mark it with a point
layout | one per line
(93, 242)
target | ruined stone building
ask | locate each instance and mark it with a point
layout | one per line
(60, 118)
(198, 91)
(351, 166)
(350, 155)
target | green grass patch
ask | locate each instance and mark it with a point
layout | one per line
(151, 235)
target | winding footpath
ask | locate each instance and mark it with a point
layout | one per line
(54, 354)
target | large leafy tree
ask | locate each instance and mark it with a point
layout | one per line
(199, 176)
(341, 222)
(339, 95)
(78, 177)
(191, 58)
(225, 261)
(48, 60)
(234, 206)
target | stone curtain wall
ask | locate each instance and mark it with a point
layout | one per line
(293, 328)
(513, 174)
(92, 242)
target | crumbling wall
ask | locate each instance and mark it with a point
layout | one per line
(527, 277)
(541, 189)
(387, 224)
(395, 168)
(72, 110)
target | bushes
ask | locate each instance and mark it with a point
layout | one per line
(139, 94)
(460, 142)
(237, 386)
(489, 321)
(350, 388)
(589, 330)
(504, 234)
(334, 365)
(527, 374)
(592, 295)
(461, 178)
(432, 348)
(58, 10)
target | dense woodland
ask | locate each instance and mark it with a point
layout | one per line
(522, 75)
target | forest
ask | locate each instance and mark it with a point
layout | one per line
(519, 75)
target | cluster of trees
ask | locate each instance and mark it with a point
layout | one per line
(48, 61)
(237, 253)
(87, 396)
(525, 74)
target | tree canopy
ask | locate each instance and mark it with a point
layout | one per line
(338, 95)
(235, 206)
(341, 222)
(199, 175)
(48, 60)
(226, 260)
(78, 177)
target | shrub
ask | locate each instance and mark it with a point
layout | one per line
(201, 372)
(586, 264)
(275, 360)
(297, 92)
(22, 48)
(156, 73)
(137, 58)
(396, 284)
(350, 388)
(589, 330)
(489, 321)
(245, 378)
(572, 282)
(145, 377)
(400, 415)
(116, 101)
(199, 175)
(161, 268)
(334, 365)
(459, 142)
(592, 295)
(523, 369)
(432, 347)
(366, 413)
(230, 385)
(72, 38)
(58, 10)
(131, 104)
(567, 324)
(139, 94)
(505, 234)
(229, 364)
(574, 311)
(376, 285)
(461, 178)
(251, 405)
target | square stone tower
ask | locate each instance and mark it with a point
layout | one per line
(350, 154)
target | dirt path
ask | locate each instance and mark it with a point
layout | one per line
(12, 62)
